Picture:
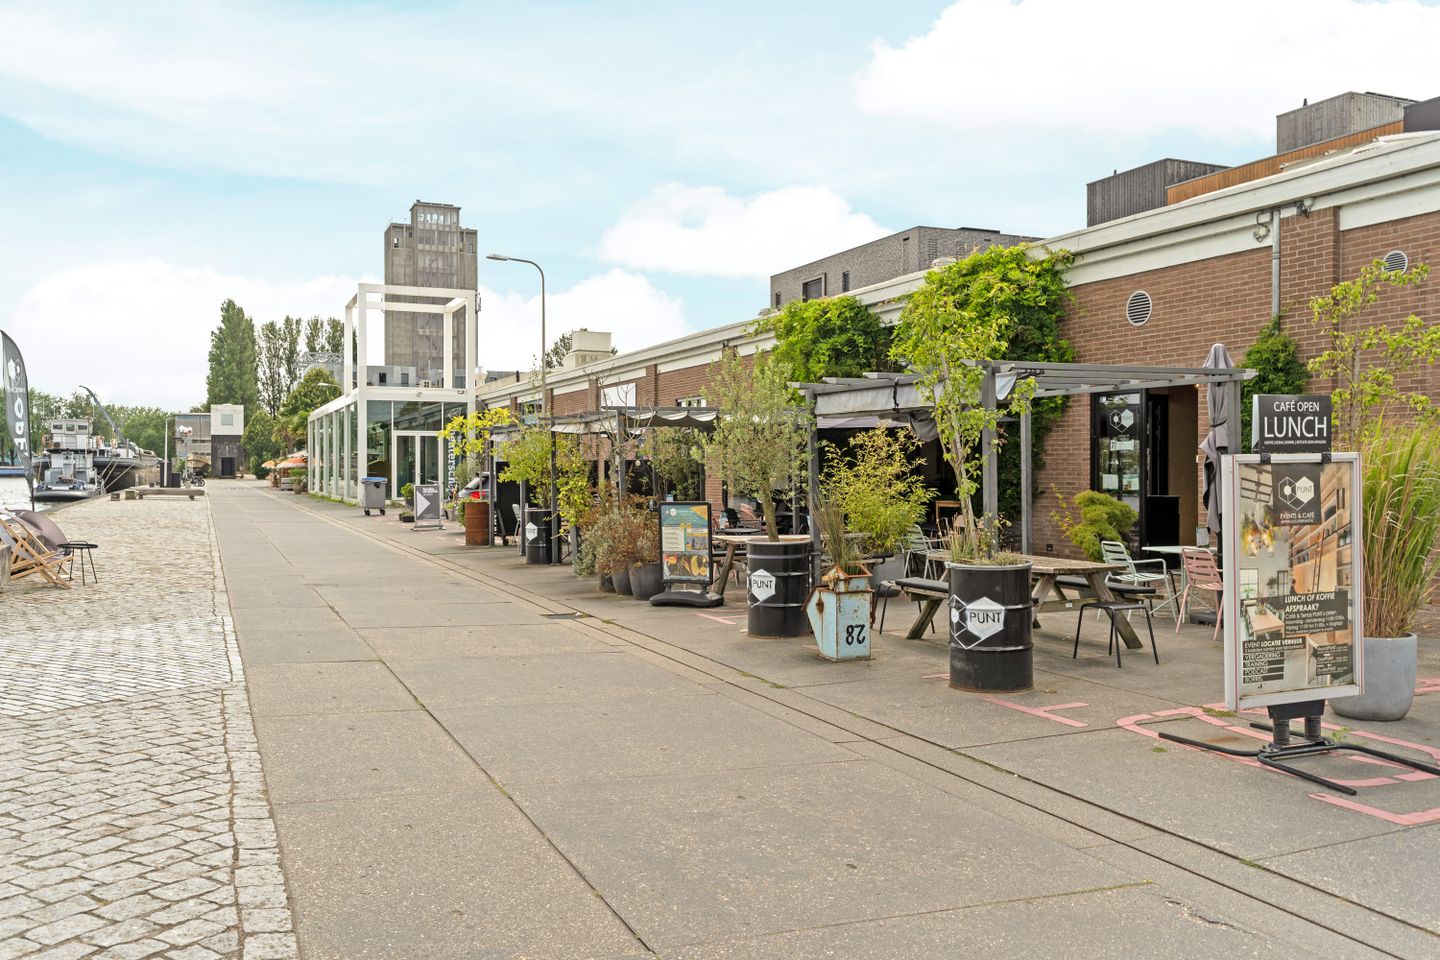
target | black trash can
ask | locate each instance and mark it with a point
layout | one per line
(990, 619)
(537, 535)
(779, 583)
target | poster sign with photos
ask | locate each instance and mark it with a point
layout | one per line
(1293, 577)
(685, 542)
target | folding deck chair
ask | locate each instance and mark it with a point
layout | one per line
(30, 554)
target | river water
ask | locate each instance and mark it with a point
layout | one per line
(14, 493)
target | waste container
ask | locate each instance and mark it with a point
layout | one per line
(536, 535)
(372, 494)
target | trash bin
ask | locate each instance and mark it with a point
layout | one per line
(372, 494)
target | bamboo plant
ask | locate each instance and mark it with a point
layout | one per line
(1401, 527)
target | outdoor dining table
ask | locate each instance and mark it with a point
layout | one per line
(732, 539)
(1050, 595)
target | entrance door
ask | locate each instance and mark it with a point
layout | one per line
(227, 466)
(417, 457)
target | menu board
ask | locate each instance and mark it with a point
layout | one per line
(685, 542)
(1293, 578)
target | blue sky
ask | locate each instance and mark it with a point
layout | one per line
(659, 159)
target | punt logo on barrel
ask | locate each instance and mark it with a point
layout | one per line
(762, 585)
(971, 623)
(531, 531)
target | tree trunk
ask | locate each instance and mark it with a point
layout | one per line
(767, 507)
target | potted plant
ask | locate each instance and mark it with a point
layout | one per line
(528, 459)
(759, 443)
(1368, 365)
(407, 499)
(873, 484)
(841, 606)
(1091, 516)
(672, 452)
(469, 438)
(990, 619)
(951, 329)
(1400, 534)
(645, 578)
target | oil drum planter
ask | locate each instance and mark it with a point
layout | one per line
(477, 522)
(537, 535)
(779, 581)
(990, 620)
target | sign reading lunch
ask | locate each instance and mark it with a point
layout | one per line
(1283, 423)
(1292, 573)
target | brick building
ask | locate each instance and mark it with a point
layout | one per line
(1155, 288)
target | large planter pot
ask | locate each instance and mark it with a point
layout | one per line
(607, 583)
(839, 611)
(621, 578)
(1389, 664)
(477, 523)
(536, 533)
(990, 618)
(645, 580)
(891, 568)
(779, 582)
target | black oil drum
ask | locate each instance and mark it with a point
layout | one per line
(779, 583)
(536, 534)
(990, 620)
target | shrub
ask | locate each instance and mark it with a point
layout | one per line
(1091, 516)
(873, 483)
(1401, 528)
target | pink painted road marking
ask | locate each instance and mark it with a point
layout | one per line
(728, 621)
(1427, 685)
(1042, 711)
(1403, 819)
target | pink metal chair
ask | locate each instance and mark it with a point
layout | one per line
(1201, 573)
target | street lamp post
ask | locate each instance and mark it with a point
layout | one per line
(544, 406)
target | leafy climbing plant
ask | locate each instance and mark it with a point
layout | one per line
(1275, 358)
(826, 337)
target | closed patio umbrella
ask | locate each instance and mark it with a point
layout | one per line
(1223, 437)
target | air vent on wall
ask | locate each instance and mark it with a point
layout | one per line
(1137, 308)
(1396, 260)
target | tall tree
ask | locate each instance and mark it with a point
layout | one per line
(278, 361)
(324, 335)
(315, 389)
(233, 376)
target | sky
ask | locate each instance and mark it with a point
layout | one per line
(659, 160)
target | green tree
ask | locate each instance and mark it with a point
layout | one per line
(232, 376)
(1368, 363)
(259, 439)
(759, 442)
(314, 390)
(142, 426)
(829, 337)
(278, 361)
(995, 304)
(324, 335)
(1275, 358)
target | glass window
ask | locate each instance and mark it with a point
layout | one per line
(812, 289)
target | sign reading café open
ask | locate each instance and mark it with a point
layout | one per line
(1290, 424)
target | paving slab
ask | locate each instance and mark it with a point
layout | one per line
(280, 689)
(1246, 811)
(335, 756)
(747, 853)
(417, 614)
(440, 643)
(1125, 924)
(1393, 873)
(459, 875)
(303, 646)
(276, 616)
(537, 679)
(616, 739)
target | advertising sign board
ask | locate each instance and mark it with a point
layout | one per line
(1293, 578)
(427, 505)
(1285, 423)
(685, 542)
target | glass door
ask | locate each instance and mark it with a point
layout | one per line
(1117, 454)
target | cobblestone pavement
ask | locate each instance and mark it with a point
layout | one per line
(133, 815)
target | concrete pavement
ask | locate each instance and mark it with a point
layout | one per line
(459, 768)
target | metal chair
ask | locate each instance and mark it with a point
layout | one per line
(917, 546)
(1201, 573)
(1113, 607)
(1136, 581)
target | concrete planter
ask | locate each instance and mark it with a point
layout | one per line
(891, 568)
(1389, 680)
(621, 579)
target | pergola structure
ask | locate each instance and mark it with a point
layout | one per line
(897, 397)
(339, 431)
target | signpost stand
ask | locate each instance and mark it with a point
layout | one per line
(685, 556)
(1294, 586)
(427, 507)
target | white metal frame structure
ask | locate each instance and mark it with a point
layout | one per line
(337, 431)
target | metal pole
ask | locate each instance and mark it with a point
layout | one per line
(1026, 484)
(812, 493)
(990, 487)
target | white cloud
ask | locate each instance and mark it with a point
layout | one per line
(622, 303)
(138, 331)
(1132, 68)
(706, 231)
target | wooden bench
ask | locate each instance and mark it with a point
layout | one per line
(192, 492)
(929, 594)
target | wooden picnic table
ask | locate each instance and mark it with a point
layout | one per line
(732, 539)
(1050, 595)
